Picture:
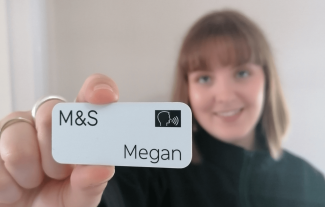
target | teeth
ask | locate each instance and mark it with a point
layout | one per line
(228, 113)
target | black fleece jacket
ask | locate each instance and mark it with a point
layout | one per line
(227, 176)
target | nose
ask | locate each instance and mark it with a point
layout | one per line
(224, 90)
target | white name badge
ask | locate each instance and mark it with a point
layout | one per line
(123, 134)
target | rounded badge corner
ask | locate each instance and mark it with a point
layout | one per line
(187, 164)
(56, 106)
(186, 106)
(56, 159)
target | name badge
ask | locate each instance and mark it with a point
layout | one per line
(149, 134)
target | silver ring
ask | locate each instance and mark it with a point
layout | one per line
(12, 121)
(40, 101)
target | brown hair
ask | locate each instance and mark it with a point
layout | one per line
(238, 40)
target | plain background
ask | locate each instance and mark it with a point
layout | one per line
(5, 86)
(52, 48)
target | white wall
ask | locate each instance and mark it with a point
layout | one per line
(5, 82)
(136, 43)
(27, 51)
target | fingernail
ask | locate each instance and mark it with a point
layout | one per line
(103, 86)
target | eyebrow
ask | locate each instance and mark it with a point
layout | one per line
(205, 68)
(240, 65)
(200, 69)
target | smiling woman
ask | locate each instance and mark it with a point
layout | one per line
(228, 100)
(225, 66)
(227, 75)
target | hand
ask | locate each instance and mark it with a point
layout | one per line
(29, 176)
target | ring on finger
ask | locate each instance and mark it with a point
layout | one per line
(13, 121)
(43, 100)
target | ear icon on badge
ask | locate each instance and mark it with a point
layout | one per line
(164, 118)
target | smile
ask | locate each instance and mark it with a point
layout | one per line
(229, 113)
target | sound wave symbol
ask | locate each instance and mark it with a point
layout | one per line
(175, 120)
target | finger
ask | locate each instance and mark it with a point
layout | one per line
(43, 123)
(87, 184)
(84, 188)
(98, 89)
(20, 152)
(10, 191)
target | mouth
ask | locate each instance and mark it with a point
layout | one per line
(228, 113)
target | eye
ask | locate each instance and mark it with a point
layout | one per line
(204, 79)
(242, 74)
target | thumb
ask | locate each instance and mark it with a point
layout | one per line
(87, 184)
(98, 89)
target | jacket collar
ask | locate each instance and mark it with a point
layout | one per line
(226, 155)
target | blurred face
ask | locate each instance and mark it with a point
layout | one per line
(227, 100)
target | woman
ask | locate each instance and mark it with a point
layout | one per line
(227, 76)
